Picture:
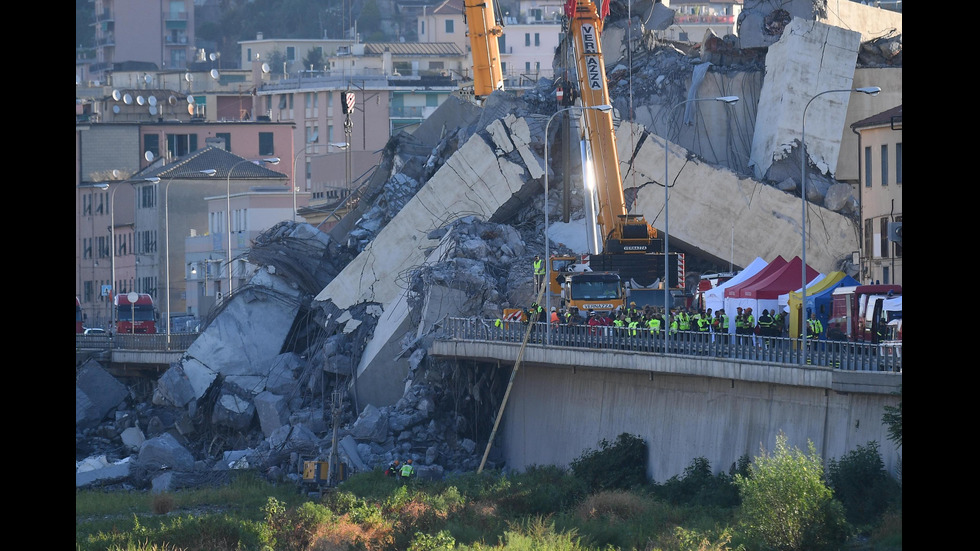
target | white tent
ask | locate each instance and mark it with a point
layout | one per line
(715, 298)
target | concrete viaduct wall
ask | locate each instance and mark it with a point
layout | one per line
(683, 408)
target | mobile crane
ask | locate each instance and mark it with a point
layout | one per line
(631, 248)
(484, 28)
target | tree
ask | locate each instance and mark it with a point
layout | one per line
(893, 418)
(314, 59)
(785, 503)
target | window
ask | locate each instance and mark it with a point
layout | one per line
(527, 66)
(884, 165)
(898, 246)
(148, 196)
(537, 39)
(421, 27)
(290, 53)
(885, 274)
(431, 100)
(449, 26)
(502, 44)
(883, 236)
(282, 101)
(151, 143)
(87, 204)
(535, 14)
(527, 39)
(266, 146)
(867, 167)
(226, 136)
(898, 163)
(179, 145)
(868, 237)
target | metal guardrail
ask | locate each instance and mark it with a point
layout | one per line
(848, 356)
(157, 342)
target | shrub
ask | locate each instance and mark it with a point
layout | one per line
(163, 504)
(861, 483)
(619, 465)
(701, 488)
(785, 503)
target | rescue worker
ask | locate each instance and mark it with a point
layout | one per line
(407, 471)
(654, 324)
(813, 331)
(555, 318)
(632, 311)
(392, 469)
(538, 265)
(750, 325)
(684, 322)
(765, 327)
(724, 325)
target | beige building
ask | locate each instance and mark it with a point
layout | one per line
(531, 36)
(157, 33)
(694, 18)
(880, 192)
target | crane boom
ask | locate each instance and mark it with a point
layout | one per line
(484, 28)
(621, 232)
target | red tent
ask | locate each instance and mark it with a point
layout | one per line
(779, 282)
(771, 268)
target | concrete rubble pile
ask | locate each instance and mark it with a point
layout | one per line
(333, 328)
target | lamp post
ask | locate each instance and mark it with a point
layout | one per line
(728, 100)
(547, 251)
(871, 91)
(341, 146)
(112, 236)
(270, 160)
(166, 232)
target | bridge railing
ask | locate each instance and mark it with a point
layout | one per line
(158, 342)
(850, 356)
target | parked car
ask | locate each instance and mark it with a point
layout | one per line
(95, 331)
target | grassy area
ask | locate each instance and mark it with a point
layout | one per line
(540, 509)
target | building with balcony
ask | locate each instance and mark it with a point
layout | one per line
(158, 33)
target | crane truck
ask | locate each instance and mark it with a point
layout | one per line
(484, 28)
(632, 251)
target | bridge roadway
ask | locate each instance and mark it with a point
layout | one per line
(130, 354)
(581, 388)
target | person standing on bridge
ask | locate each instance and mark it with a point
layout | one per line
(538, 266)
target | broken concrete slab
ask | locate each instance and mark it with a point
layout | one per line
(789, 66)
(272, 410)
(96, 394)
(165, 452)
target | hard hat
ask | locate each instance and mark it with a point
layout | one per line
(409, 461)
(552, 308)
(632, 304)
(396, 462)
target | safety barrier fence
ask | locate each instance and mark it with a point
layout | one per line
(157, 342)
(849, 356)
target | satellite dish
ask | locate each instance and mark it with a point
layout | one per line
(115, 109)
(115, 173)
(214, 73)
(147, 79)
(172, 100)
(148, 156)
(128, 99)
(140, 100)
(213, 56)
(188, 77)
(116, 95)
(190, 99)
(190, 109)
(152, 100)
(153, 109)
(266, 68)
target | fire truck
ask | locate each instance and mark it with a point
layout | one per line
(135, 314)
(858, 312)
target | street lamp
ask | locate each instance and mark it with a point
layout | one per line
(270, 160)
(166, 231)
(728, 100)
(871, 91)
(112, 236)
(341, 146)
(547, 256)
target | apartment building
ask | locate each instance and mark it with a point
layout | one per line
(880, 193)
(160, 33)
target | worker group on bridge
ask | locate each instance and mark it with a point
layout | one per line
(685, 323)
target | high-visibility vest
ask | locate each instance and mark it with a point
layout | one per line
(724, 322)
(407, 470)
(539, 267)
(498, 323)
(654, 325)
(684, 321)
(633, 325)
(703, 324)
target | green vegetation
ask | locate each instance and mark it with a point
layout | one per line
(777, 501)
